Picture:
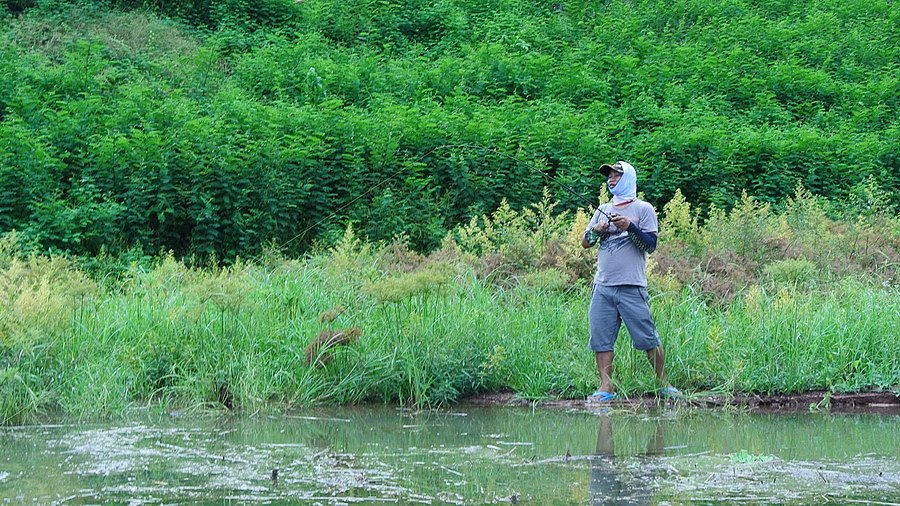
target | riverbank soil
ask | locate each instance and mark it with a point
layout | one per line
(853, 402)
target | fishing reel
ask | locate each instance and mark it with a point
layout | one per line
(593, 236)
(610, 217)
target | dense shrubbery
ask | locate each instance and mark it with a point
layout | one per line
(220, 126)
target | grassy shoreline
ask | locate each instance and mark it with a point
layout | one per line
(429, 330)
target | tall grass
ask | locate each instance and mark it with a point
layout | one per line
(751, 301)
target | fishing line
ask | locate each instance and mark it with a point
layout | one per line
(579, 197)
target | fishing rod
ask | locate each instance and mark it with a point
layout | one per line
(579, 197)
(537, 169)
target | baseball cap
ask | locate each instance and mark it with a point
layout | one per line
(607, 168)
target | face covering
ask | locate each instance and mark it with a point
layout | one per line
(626, 189)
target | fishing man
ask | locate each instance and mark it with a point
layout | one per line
(626, 230)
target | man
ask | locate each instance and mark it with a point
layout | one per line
(626, 231)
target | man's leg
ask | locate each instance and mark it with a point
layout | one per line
(604, 327)
(636, 314)
(658, 360)
(604, 369)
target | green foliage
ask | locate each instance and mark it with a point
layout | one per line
(18, 399)
(239, 14)
(537, 246)
(501, 306)
(791, 271)
(742, 230)
(18, 6)
(408, 285)
(802, 246)
(217, 126)
(679, 224)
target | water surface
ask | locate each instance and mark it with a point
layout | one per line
(463, 456)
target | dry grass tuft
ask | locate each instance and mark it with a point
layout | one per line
(332, 314)
(319, 352)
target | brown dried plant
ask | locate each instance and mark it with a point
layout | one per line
(319, 352)
(332, 314)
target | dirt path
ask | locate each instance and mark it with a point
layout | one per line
(857, 402)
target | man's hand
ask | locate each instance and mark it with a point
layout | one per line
(601, 227)
(621, 222)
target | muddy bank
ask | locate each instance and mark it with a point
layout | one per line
(854, 402)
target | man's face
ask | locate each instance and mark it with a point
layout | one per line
(613, 178)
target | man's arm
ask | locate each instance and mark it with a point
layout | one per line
(645, 241)
(589, 238)
(595, 231)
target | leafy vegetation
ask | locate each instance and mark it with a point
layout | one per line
(501, 305)
(247, 204)
(223, 127)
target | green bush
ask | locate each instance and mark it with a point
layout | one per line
(791, 271)
(216, 127)
(19, 6)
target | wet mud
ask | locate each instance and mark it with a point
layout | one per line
(854, 402)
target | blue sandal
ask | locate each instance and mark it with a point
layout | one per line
(601, 396)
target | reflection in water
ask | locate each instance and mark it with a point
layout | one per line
(619, 482)
(473, 456)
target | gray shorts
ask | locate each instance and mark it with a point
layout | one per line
(610, 306)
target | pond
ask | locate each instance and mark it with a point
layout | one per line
(467, 455)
